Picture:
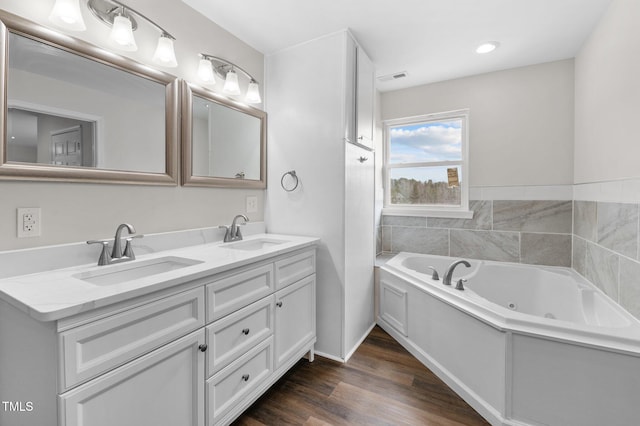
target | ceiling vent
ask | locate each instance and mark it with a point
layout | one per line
(394, 76)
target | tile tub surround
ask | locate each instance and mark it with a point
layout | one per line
(537, 232)
(606, 249)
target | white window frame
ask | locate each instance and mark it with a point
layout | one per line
(425, 210)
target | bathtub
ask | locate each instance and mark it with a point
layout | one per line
(523, 345)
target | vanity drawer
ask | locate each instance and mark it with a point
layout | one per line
(239, 379)
(97, 347)
(294, 268)
(236, 291)
(232, 336)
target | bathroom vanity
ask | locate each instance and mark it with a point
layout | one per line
(190, 336)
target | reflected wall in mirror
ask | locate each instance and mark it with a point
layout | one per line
(76, 112)
(224, 142)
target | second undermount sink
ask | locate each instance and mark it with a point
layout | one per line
(129, 271)
(251, 245)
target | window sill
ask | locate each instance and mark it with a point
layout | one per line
(422, 212)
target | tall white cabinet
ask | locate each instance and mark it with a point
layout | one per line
(320, 99)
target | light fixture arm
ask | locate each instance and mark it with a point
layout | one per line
(106, 16)
(220, 64)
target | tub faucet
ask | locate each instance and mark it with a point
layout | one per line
(449, 272)
(233, 232)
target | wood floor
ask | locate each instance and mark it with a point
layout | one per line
(382, 384)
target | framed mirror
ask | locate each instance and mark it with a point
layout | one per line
(223, 141)
(74, 112)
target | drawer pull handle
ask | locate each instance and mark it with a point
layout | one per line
(202, 348)
(245, 377)
(279, 304)
(245, 331)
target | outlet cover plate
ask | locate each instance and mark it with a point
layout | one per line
(28, 222)
(252, 204)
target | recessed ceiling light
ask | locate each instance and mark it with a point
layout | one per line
(487, 47)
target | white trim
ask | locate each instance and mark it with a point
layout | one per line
(427, 212)
(357, 345)
(461, 211)
(613, 191)
(522, 192)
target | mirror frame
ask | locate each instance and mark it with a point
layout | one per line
(188, 179)
(42, 172)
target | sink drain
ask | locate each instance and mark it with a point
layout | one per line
(549, 315)
(512, 306)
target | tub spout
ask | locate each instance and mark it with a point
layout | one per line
(449, 272)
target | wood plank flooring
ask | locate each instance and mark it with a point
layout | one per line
(382, 384)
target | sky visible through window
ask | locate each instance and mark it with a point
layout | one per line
(426, 142)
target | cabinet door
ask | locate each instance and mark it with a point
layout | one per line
(295, 318)
(364, 99)
(162, 388)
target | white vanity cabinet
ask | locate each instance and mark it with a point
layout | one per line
(198, 354)
(272, 325)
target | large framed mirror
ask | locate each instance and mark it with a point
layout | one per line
(223, 141)
(74, 112)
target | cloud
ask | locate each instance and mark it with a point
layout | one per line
(426, 142)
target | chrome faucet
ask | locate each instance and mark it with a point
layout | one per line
(233, 232)
(117, 255)
(446, 280)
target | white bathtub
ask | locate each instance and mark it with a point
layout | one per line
(524, 345)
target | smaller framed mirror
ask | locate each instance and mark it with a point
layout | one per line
(223, 141)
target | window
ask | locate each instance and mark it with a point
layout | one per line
(426, 165)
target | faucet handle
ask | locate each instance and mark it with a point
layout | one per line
(460, 284)
(105, 256)
(435, 275)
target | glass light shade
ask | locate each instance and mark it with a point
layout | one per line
(205, 71)
(122, 34)
(165, 55)
(231, 86)
(253, 93)
(66, 14)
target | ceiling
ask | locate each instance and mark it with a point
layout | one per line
(432, 40)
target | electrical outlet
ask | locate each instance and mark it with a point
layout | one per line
(252, 204)
(29, 222)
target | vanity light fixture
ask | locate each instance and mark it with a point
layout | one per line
(228, 71)
(119, 16)
(487, 47)
(66, 14)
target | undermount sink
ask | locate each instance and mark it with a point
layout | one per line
(251, 245)
(129, 271)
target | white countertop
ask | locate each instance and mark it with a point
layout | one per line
(56, 294)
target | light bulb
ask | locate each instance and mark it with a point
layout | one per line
(253, 93)
(66, 14)
(122, 34)
(165, 55)
(231, 86)
(205, 71)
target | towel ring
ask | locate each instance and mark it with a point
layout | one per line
(293, 175)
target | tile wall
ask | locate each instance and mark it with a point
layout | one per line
(606, 249)
(526, 231)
